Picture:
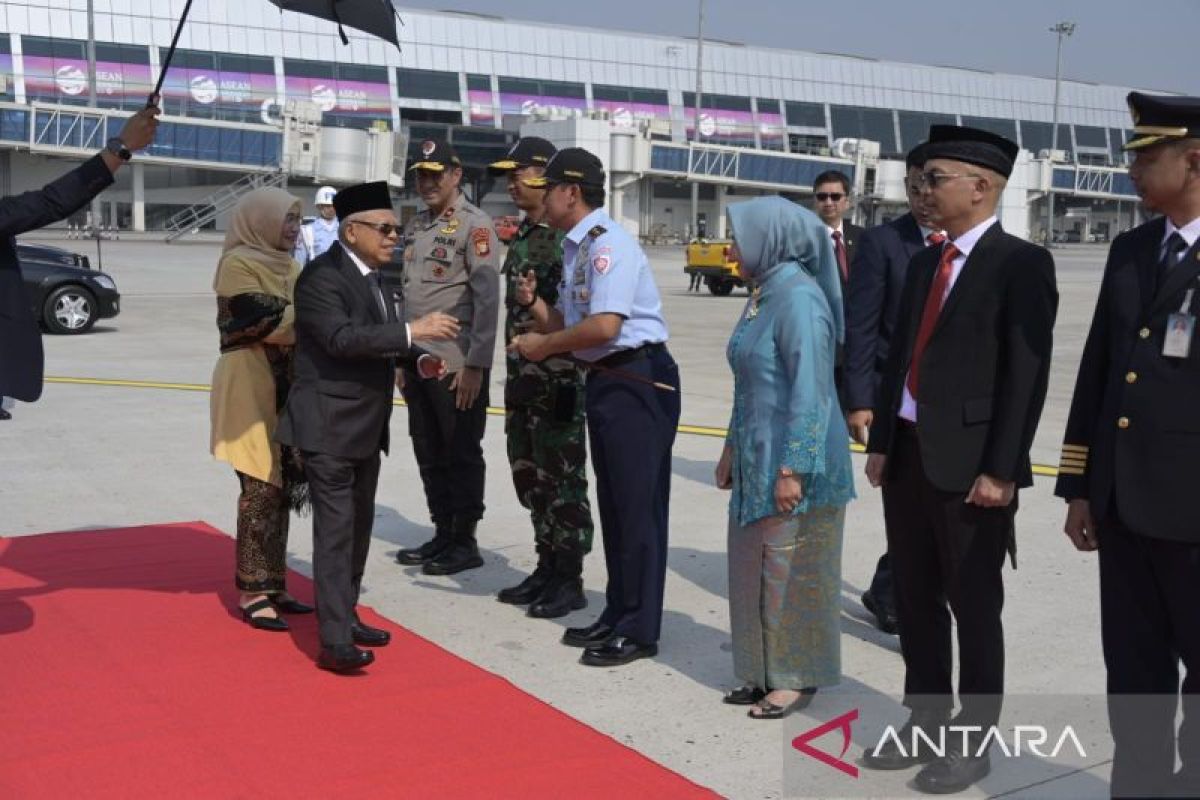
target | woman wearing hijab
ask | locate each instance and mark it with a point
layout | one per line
(254, 283)
(786, 460)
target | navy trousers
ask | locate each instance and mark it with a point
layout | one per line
(631, 430)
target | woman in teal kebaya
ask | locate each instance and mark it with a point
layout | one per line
(786, 460)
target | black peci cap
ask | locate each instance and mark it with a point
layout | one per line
(372, 196)
(436, 155)
(571, 165)
(1159, 118)
(972, 146)
(528, 151)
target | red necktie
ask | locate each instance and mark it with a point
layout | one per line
(935, 238)
(933, 307)
(839, 248)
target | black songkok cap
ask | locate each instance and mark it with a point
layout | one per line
(571, 165)
(373, 196)
(529, 151)
(916, 157)
(1159, 118)
(972, 146)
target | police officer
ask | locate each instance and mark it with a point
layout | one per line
(451, 262)
(543, 404)
(609, 316)
(317, 235)
(1130, 470)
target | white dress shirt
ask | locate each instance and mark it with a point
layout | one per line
(965, 244)
(1189, 232)
(366, 271)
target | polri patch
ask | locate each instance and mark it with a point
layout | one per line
(481, 238)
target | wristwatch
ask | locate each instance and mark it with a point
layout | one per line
(118, 149)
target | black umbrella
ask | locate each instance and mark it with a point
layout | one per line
(376, 17)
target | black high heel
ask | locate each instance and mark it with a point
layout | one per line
(291, 606)
(274, 624)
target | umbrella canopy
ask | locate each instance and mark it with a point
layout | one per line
(376, 17)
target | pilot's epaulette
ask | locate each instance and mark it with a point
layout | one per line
(1074, 460)
(597, 231)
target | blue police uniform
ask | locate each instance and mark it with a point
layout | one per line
(631, 425)
(324, 234)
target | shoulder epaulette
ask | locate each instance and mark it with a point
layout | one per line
(597, 231)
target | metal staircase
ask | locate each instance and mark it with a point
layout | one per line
(190, 219)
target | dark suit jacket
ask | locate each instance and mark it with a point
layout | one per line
(345, 359)
(21, 357)
(873, 301)
(850, 236)
(985, 369)
(1150, 463)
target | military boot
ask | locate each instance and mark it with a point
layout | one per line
(415, 556)
(462, 554)
(564, 593)
(531, 588)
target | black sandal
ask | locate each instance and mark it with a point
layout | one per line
(744, 696)
(291, 606)
(263, 623)
(771, 711)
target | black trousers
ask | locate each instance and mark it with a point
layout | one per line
(883, 584)
(343, 500)
(448, 445)
(947, 557)
(1150, 621)
(631, 430)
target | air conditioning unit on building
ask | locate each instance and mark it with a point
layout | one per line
(863, 150)
(1057, 156)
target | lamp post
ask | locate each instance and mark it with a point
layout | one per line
(696, 119)
(1061, 29)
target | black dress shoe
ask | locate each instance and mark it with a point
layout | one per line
(292, 606)
(617, 651)
(344, 658)
(368, 636)
(890, 756)
(4, 414)
(596, 633)
(458, 558)
(744, 696)
(263, 623)
(560, 598)
(954, 772)
(527, 590)
(415, 556)
(885, 617)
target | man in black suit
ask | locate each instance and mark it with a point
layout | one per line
(21, 358)
(350, 332)
(1129, 464)
(872, 304)
(956, 413)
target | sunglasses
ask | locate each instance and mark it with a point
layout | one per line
(826, 196)
(386, 229)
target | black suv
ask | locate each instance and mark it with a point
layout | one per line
(66, 294)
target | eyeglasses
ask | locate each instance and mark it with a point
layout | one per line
(935, 179)
(826, 196)
(385, 229)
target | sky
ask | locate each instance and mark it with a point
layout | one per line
(1148, 44)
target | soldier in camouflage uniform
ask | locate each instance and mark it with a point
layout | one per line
(544, 409)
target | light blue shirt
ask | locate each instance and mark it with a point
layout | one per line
(608, 274)
(322, 233)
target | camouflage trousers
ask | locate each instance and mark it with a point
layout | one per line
(547, 449)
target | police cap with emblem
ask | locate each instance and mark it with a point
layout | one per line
(571, 165)
(971, 146)
(1158, 118)
(528, 151)
(374, 196)
(436, 155)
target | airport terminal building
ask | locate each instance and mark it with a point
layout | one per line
(255, 95)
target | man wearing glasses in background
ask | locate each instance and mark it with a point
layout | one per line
(831, 201)
(451, 264)
(954, 419)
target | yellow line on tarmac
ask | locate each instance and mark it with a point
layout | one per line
(694, 430)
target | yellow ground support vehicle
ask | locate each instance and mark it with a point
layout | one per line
(712, 260)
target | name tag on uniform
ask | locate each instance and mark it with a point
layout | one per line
(1180, 327)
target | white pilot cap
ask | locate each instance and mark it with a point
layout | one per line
(325, 196)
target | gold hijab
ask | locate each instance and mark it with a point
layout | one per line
(256, 230)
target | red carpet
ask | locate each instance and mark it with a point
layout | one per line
(124, 673)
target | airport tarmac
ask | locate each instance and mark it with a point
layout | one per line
(120, 438)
